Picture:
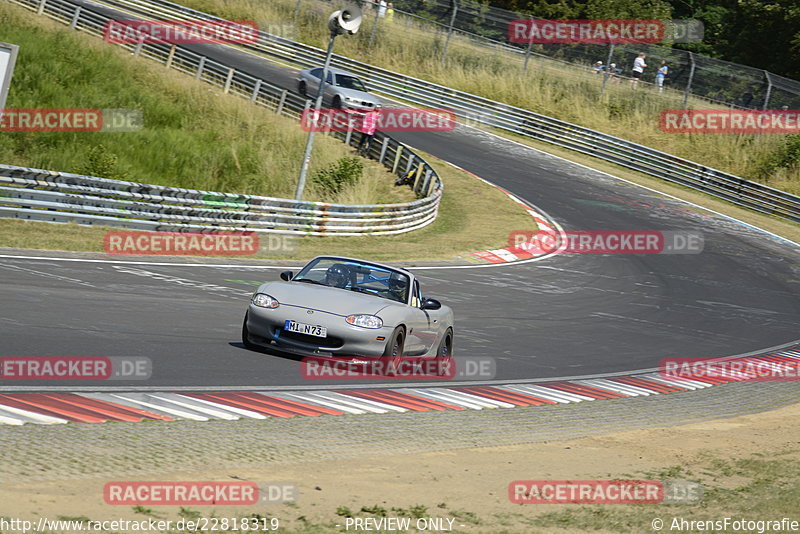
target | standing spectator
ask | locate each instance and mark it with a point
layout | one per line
(661, 75)
(638, 69)
(369, 123)
(382, 8)
(389, 11)
(598, 67)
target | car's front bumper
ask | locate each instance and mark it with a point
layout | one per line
(266, 328)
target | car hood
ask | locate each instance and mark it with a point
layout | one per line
(360, 95)
(323, 298)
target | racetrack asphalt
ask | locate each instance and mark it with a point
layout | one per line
(568, 315)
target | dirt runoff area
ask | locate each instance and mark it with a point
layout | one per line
(467, 490)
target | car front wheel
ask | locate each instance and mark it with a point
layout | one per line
(444, 354)
(393, 353)
(246, 336)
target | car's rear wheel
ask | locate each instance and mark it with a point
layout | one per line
(393, 353)
(444, 354)
(246, 336)
(301, 88)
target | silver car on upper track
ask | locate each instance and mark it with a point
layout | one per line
(344, 90)
(346, 307)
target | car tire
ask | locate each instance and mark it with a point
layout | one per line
(444, 354)
(393, 353)
(246, 336)
(301, 88)
(337, 102)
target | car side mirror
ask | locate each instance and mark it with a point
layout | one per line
(430, 304)
(287, 275)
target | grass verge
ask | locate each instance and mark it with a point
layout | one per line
(754, 487)
(193, 136)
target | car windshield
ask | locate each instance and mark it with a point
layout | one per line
(357, 276)
(350, 82)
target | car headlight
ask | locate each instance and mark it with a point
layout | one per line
(351, 99)
(365, 321)
(262, 300)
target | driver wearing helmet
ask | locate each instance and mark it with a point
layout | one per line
(398, 287)
(337, 275)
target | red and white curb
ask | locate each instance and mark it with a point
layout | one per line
(513, 253)
(510, 254)
(55, 408)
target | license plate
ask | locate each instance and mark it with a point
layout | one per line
(303, 328)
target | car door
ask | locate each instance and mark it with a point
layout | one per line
(330, 89)
(312, 82)
(421, 334)
(430, 334)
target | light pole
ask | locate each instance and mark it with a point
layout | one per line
(346, 20)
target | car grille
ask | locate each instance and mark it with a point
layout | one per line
(329, 342)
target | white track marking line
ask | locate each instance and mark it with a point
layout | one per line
(477, 397)
(622, 389)
(240, 411)
(136, 403)
(439, 396)
(570, 397)
(520, 390)
(685, 384)
(34, 416)
(307, 398)
(379, 404)
(186, 402)
(361, 404)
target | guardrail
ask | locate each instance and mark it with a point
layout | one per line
(61, 197)
(479, 110)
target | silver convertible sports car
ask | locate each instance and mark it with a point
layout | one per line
(343, 307)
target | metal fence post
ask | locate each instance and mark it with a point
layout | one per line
(228, 80)
(426, 182)
(769, 90)
(171, 55)
(450, 30)
(74, 23)
(41, 7)
(376, 6)
(384, 148)
(256, 90)
(431, 184)
(397, 156)
(281, 101)
(409, 163)
(606, 73)
(138, 50)
(200, 65)
(417, 178)
(689, 81)
(528, 51)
